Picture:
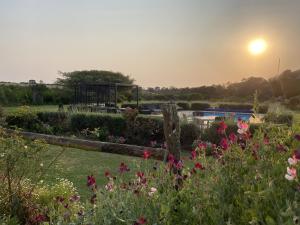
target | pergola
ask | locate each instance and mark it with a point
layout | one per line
(101, 94)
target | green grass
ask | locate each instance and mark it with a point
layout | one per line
(37, 108)
(297, 117)
(75, 165)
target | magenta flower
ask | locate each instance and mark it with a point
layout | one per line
(140, 221)
(242, 127)
(224, 144)
(297, 154)
(297, 137)
(199, 166)
(123, 168)
(107, 174)
(202, 145)
(193, 154)
(171, 159)
(40, 218)
(222, 127)
(91, 181)
(146, 154)
(232, 137)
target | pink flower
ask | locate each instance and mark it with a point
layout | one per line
(109, 186)
(202, 145)
(222, 127)
(153, 144)
(123, 168)
(140, 221)
(146, 154)
(291, 173)
(224, 144)
(91, 181)
(242, 127)
(232, 137)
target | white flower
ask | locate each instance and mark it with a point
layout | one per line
(292, 161)
(2, 155)
(152, 191)
(291, 173)
(42, 164)
(25, 146)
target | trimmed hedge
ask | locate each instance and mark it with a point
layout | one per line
(116, 125)
(199, 106)
(236, 106)
(189, 133)
(183, 105)
(279, 118)
(143, 131)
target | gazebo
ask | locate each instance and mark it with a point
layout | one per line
(104, 95)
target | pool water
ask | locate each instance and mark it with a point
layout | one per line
(235, 115)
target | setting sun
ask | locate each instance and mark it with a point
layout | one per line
(257, 46)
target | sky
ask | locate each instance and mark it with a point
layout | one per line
(157, 42)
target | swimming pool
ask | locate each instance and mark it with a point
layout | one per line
(235, 115)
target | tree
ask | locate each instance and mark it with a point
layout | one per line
(69, 79)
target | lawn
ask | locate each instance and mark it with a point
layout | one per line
(75, 165)
(37, 108)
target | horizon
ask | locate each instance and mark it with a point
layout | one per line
(157, 43)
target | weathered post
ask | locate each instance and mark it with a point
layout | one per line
(172, 136)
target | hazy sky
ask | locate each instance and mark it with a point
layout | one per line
(157, 42)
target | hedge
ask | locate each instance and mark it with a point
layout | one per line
(279, 118)
(199, 106)
(236, 106)
(183, 105)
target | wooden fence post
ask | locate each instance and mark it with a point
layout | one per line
(172, 136)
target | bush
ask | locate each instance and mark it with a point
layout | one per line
(263, 109)
(184, 105)
(293, 103)
(116, 125)
(279, 118)
(235, 106)
(28, 120)
(199, 106)
(58, 121)
(189, 133)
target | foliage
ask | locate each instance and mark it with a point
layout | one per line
(236, 106)
(199, 106)
(189, 133)
(26, 119)
(242, 184)
(293, 103)
(279, 118)
(183, 105)
(21, 166)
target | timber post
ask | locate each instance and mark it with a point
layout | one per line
(172, 136)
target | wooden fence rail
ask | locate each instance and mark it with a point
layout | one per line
(122, 149)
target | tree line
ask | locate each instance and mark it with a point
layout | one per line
(284, 86)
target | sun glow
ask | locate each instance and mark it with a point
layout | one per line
(257, 46)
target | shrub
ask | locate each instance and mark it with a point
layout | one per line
(279, 118)
(293, 103)
(116, 125)
(263, 109)
(58, 121)
(184, 105)
(199, 106)
(189, 133)
(28, 120)
(236, 106)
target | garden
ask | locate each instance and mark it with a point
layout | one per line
(232, 173)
